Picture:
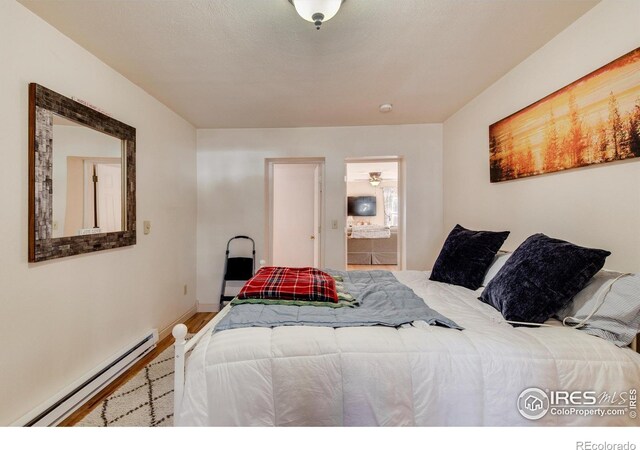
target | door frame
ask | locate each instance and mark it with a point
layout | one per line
(268, 201)
(402, 193)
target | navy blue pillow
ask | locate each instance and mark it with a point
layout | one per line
(541, 277)
(466, 256)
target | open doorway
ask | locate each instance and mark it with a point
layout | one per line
(374, 219)
(294, 212)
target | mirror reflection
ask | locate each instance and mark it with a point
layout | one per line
(87, 180)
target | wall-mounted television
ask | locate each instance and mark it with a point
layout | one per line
(361, 206)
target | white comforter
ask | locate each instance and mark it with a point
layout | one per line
(415, 375)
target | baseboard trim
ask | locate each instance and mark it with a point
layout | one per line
(166, 331)
(73, 396)
(208, 307)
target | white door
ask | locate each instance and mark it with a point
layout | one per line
(107, 192)
(295, 215)
(109, 197)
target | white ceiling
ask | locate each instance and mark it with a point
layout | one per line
(256, 63)
(59, 120)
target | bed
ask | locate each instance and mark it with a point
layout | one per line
(413, 375)
(366, 251)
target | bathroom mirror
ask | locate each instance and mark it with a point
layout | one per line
(81, 178)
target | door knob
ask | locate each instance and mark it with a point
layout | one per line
(312, 237)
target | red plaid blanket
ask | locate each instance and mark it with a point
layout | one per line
(291, 283)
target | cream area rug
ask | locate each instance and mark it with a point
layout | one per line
(144, 401)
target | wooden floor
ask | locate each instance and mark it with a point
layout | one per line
(194, 324)
(371, 267)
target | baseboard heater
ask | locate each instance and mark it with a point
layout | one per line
(56, 409)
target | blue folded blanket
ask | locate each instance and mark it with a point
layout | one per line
(383, 301)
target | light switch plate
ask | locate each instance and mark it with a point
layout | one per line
(146, 226)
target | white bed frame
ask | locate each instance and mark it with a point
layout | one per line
(182, 347)
(180, 333)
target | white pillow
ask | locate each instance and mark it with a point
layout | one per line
(617, 319)
(496, 265)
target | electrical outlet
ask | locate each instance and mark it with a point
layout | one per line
(146, 226)
(185, 289)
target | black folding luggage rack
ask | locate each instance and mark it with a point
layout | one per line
(237, 268)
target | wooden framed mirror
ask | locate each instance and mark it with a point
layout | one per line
(82, 178)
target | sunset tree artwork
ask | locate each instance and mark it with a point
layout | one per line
(594, 120)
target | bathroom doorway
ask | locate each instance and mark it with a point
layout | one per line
(374, 214)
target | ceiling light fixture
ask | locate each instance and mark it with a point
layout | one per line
(317, 11)
(375, 178)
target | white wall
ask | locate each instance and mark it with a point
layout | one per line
(62, 318)
(597, 206)
(231, 187)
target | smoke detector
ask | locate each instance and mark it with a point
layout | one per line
(385, 107)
